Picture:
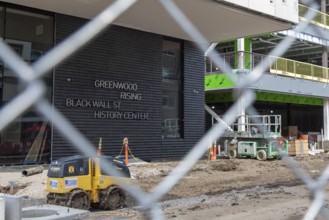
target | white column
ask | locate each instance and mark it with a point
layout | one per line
(241, 102)
(323, 6)
(241, 53)
(325, 119)
(325, 101)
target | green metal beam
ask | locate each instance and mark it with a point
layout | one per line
(224, 97)
(217, 81)
(285, 98)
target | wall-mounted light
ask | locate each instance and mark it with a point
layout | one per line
(68, 79)
(213, 107)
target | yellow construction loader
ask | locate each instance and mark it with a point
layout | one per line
(79, 182)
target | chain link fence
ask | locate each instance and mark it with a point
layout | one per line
(35, 89)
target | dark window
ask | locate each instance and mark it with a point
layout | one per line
(172, 105)
(30, 35)
(2, 23)
(76, 167)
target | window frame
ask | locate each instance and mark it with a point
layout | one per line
(179, 99)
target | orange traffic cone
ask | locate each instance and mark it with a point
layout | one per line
(99, 150)
(214, 152)
(211, 152)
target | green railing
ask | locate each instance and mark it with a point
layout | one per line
(321, 19)
(296, 69)
(273, 65)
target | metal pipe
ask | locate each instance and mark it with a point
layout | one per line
(217, 118)
(210, 49)
(32, 171)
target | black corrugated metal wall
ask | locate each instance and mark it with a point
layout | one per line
(125, 55)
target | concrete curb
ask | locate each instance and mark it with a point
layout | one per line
(36, 209)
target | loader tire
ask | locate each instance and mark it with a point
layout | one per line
(261, 155)
(113, 198)
(79, 199)
(232, 153)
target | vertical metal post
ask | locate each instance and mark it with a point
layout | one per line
(325, 57)
(125, 145)
(126, 154)
(295, 64)
(276, 65)
(241, 101)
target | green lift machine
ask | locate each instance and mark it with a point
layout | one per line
(256, 137)
(252, 136)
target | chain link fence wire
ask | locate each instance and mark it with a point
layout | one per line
(34, 95)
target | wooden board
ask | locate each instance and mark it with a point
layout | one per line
(298, 147)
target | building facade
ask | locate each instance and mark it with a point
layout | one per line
(140, 78)
(126, 83)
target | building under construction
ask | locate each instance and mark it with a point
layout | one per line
(143, 77)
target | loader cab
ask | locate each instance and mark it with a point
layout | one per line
(69, 166)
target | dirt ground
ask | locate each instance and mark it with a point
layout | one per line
(221, 189)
